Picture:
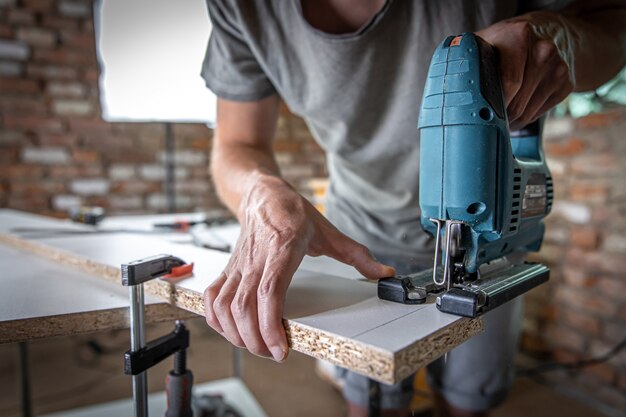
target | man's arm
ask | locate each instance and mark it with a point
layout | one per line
(278, 227)
(546, 55)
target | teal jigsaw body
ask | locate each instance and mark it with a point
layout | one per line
(471, 168)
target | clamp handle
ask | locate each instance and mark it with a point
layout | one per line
(142, 270)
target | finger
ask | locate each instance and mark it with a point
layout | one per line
(244, 311)
(210, 294)
(555, 99)
(350, 252)
(542, 58)
(550, 92)
(512, 65)
(278, 272)
(221, 307)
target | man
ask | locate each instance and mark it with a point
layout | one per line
(355, 70)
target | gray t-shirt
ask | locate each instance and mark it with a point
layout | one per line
(359, 94)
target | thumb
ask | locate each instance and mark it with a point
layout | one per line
(353, 253)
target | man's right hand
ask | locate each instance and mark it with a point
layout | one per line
(278, 227)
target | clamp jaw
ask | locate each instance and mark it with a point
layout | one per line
(142, 270)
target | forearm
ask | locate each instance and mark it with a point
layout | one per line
(242, 153)
(592, 42)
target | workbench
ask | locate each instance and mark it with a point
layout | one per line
(331, 312)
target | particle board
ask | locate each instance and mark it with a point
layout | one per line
(328, 317)
(42, 299)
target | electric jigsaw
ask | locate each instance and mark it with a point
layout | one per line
(484, 191)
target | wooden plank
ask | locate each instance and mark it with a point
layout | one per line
(333, 318)
(42, 299)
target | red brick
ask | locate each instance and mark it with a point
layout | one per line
(51, 72)
(56, 22)
(64, 57)
(533, 344)
(602, 371)
(20, 17)
(78, 40)
(565, 356)
(589, 192)
(37, 188)
(190, 130)
(6, 31)
(85, 156)
(551, 254)
(614, 288)
(36, 36)
(33, 123)
(9, 155)
(18, 104)
(563, 337)
(31, 204)
(92, 75)
(597, 262)
(585, 238)
(66, 89)
(88, 26)
(594, 165)
(65, 171)
(57, 139)
(569, 147)
(598, 120)
(75, 171)
(18, 86)
(577, 277)
(39, 5)
(586, 301)
(200, 144)
(621, 380)
(135, 187)
(23, 172)
(90, 125)
(582, 322)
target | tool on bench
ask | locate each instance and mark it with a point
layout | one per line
(143, 356)
(483, 190)
(184, 225)
(91, 215)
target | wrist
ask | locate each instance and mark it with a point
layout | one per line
(259, 187)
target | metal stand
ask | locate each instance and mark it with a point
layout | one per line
(237, 363)
(170, 177)
(137, 342)
(373, 407)
(25, 380)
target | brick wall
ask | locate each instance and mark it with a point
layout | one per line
(56, 151)
(582, 311)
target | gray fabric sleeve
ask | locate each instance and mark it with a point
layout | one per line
(230, 68)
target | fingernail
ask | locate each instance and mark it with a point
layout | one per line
(278, 353)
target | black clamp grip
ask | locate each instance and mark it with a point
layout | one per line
(138, 272)
(156, 350)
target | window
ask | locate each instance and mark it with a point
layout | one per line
(150, 54)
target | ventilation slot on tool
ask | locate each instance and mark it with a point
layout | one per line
(549, 194)
(515, 202)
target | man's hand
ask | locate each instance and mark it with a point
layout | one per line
(534, 75)
(278, 227)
